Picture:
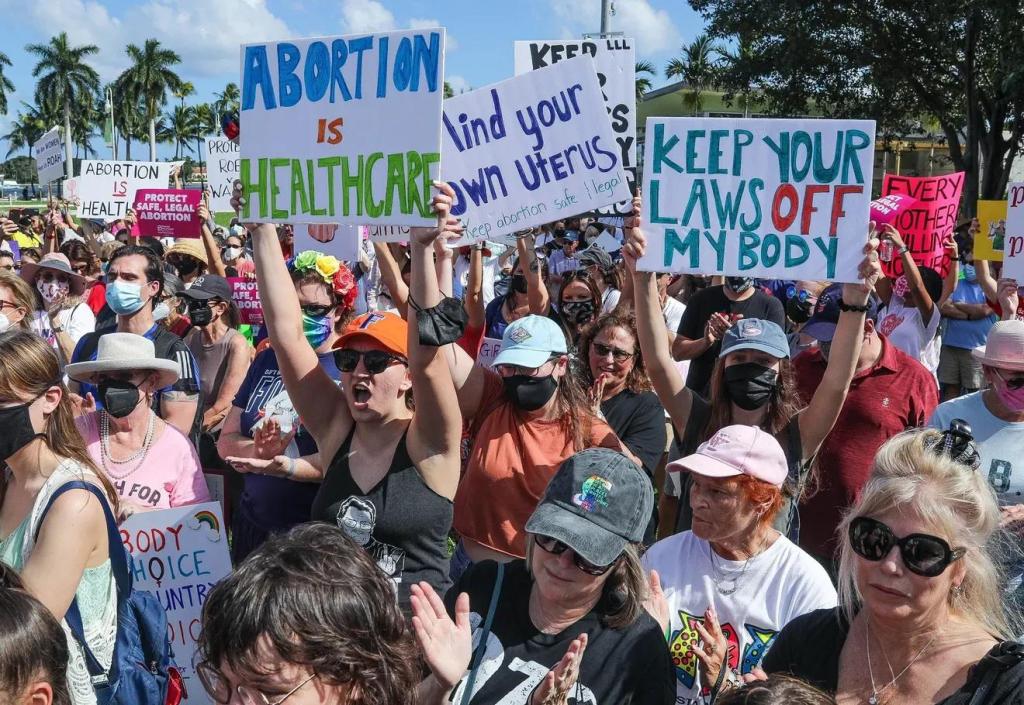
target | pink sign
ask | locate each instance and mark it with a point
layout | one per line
(165, 212)
(247, 298)
(887, 209)
(926, 224)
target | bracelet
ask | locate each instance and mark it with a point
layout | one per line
(843, 306)
(903, 250)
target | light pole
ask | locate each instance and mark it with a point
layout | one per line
(113, 127)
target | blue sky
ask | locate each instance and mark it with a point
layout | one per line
(207, 33)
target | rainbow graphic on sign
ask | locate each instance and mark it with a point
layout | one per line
(209, 518)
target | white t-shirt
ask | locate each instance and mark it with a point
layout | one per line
(76, 322)
(905, 328)
(779, 585)
(610, 299)
(461, 274)
(673, 311)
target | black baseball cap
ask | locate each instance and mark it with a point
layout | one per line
(596, 256)
(209, 286)
(597, 502)
(822, 324)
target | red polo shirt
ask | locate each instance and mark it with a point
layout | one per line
(895, 394)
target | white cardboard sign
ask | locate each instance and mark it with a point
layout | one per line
(49, 154)
(1013, 248)
(221, 172)
(107, 189)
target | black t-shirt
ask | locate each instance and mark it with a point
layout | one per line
(639, 422)
(809, 648)
(628, 666)
(698, 312)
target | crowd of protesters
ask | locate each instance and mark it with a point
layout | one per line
(662, 489)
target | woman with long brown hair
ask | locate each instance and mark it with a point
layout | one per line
(62, 556)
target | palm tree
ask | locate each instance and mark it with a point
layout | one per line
(128, 117)
(643, 83)
(179, 127)
(735, 60)
(183, 91)
(5, 83)
(65, 80)
(697, 66)
(228, 99)
(151, 76)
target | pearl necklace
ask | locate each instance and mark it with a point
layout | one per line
(139, 455)
(876, 692)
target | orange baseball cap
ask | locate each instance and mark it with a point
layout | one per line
(388, 329)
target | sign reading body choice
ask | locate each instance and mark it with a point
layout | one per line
(766, 198)
(107, 189)
(179, 555)
(221, 172)
(530, 150)
(615, 61)
(343, 130)
(49, 155)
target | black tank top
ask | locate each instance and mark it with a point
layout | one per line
(402, 523)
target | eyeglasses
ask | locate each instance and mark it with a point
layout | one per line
(219, 689)
(315, 310)
(518, 370)
(80, 268)
(618, 354)
(7, 304)
(928, 556)
(1012, 382)
(557, 548)
(375, 361)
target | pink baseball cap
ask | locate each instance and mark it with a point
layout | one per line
(738, 450)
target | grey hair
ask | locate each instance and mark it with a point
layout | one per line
(957, 503)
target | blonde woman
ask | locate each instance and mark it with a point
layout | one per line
(17, 302)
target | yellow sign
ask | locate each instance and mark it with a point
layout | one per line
(988, 243)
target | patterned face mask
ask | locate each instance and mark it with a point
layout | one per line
(317, 329)
(52, 291)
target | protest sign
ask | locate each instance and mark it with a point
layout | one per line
(389, 233)
(885, 210)
(342, 129)
(765, 198)
(1013, 249)
(342, 241)
(179, 555)
(107, 189)
(615, 61)
(49, 155)
(489, 349)
(607, 242)
(929, 222)
(168, 212)
(991, 235)
(531, 150)
(221, 172)
(246, 296)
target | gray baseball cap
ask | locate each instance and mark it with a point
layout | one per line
(755, 334)
(597, 502)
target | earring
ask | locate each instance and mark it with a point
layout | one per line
(957, 591)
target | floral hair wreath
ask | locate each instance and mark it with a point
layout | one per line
(333, 272)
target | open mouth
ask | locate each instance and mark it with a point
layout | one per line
(360, 394)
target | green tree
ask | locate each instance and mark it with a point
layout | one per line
(645, 71)
(697, 66)
(183, 91)
(129, 118)
(64, 79)
(151, 76)
(179, 127)
(903, 63)
(5, 83)
(228, 99)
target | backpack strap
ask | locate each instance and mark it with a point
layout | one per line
(122, 580)
(481, 646)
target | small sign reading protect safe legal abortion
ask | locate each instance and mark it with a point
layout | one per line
(168, 212)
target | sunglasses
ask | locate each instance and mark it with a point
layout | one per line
(925, 555)
(557, 548)
(375, 361)
(616, 353)
(315, 310)
(1012, 382)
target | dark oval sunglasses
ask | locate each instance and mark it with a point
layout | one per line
(925, 555)
(618, 354)
(375, 361)
(557, 548)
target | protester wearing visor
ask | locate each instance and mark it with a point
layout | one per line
(151, 465)
(570, 616)
(921, 616)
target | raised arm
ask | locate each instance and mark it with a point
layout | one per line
(444, 266)
(437, 424)
(209, 244)
(817, 420)
(536, 291)
(474, 296)
(914, 281)
(953, 275)
(317, 399)
(391, 276)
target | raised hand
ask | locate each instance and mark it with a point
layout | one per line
(893, 234)
(713, 650)
(1008, 296)
(636, 242)
(655, 602)
(448, 227)
(268, 440)
(869, 270)
(554, 689)
(447, 646)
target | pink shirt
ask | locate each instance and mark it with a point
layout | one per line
(169, 476)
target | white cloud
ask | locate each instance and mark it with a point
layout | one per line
(366, 16)
(653, 30)
(449, 43)
(457, 83)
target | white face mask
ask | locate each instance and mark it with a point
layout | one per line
(232, 253)
(52, 290)
(5, 322)
(161, 311)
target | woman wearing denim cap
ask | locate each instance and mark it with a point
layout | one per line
(566, 623)
(752, 382)
(732, 608)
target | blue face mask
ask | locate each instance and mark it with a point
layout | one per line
(123, 298)
(969, 273)
(317, 329)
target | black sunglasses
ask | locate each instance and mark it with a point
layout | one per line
(617, 354)
(375, 361)
(315, 310)
(928, 556)
(557, 548)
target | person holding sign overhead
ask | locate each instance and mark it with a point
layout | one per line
(752, 381)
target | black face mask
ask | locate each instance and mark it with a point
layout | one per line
(119, 398)
(750, 385)
(519, 283)
(442, 324)
(739, 284)
(799, 311)
(200, 316)
(530, 393)
(17, 429)
(578, 312)
(186, 266)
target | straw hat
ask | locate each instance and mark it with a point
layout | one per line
(1004, 347)
(119, 352)
(192, 248)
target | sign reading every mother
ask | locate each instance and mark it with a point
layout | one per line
(342, 129)
(768, 198)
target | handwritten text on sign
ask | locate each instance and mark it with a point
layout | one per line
(49, 155)
(930, 221)
(1013, 249)
(246, 296)
(615, 61)
(107, 189)
(168, 212)
(342, 129)
(179, 555)
(766, 198)
(221, 172)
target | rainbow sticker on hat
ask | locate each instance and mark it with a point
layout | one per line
(593, 494)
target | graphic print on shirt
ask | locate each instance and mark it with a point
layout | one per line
(271, 400)
(999, 473)
(357, 516)
(889, 324)
(140, 494)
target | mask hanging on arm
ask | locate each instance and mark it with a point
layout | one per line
(750, 385)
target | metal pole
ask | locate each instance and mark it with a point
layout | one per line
(606, 6)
